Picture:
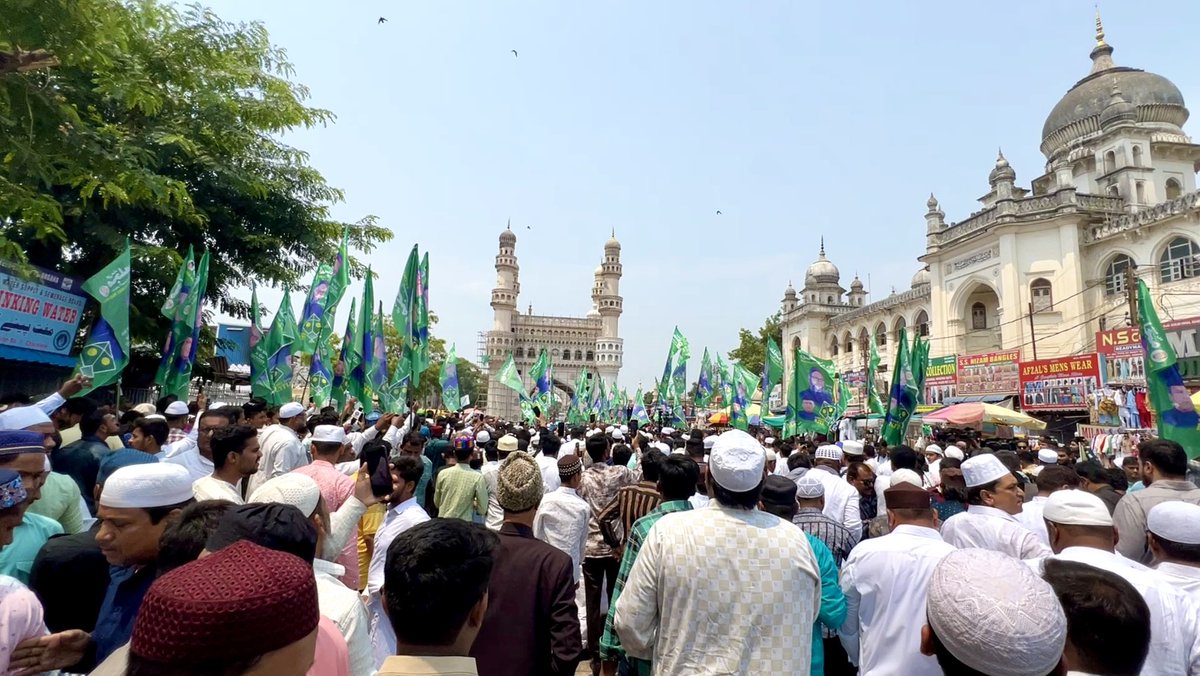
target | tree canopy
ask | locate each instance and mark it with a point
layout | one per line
(161, 124)
(751, 351)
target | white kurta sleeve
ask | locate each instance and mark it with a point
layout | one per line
(848, 633)
(852, 517)
(51, 403)
(636, 616)
(343, 522)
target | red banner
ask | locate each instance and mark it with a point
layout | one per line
(1059, 384)
(990, 373)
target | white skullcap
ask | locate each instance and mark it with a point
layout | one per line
(668, 431)
(590, 433)
(828, 452)
(290, 410)
(983, 469)
(618, 435)
(852, 447)
(217, 404)
(297, 490)
(155, 416)
(904, 476)
(709, 441)
(483, 437)
(331, 434)
(507, 444)
(934, 448)
(995, 615)
(1076, 508)
(609, 429)
(952, 447)
(771, 457)
(1175, 521)
(144, 409)
(664, 447)
(1048, 456)
(624, 429)
(22, 417)
(148, 485)
(177, 408)
(737, 461)
(770, 441)
(809, 487)
(954, 452)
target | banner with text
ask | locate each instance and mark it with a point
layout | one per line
(41, 313)
(1123, 358)
(1059, 384)
(990, 373)
(941, 379)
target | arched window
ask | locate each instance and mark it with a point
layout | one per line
(519, 353)
(833, 347)
(1180, 260)
(1137, 156)
(1174, 190)
(795, 344)
(900, 324)
(881, 335)
(829, 300)
(848, 343)
(591, 356)
(578, 355)
(922, 323)
(978, 316)
(554, 353)
(1113, 191)
(864, 342)
(1140, 191)
(1116, 273)
(1041, 293)
(1110, 162)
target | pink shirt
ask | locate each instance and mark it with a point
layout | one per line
(20, 617)
(336, 488)
(332, 657)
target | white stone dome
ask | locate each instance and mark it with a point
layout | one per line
(822, 271)
(921, 278)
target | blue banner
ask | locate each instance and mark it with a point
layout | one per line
(40, 314)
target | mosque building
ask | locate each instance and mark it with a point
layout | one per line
(1043, 267)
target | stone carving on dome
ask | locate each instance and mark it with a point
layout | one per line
(1127, 222)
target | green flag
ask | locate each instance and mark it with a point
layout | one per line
(540, 375)
(1169, 398)
(509, 377)
(919, 358)
(744, 383)
(451, 398)
(329, 283)
(420, 330)
(723, 386)
(279, 341)
(639, 409)
(106, 352)
(874, 404)
(363, 358)
(811, 404)
(679, 346)
(345, 363)
(902, 396)
(259, 386)
(187, 334)
(174, 308)
(704, 382)
(772, 373)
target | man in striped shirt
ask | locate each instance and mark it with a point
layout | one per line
(676, 480)
(810, 496)
(632, 502)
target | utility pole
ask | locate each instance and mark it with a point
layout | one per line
(1131, 293)
(1032, 331)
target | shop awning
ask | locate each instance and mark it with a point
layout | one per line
(22, 354)
(979, 398)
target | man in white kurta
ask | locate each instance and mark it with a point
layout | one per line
(1081, 530)
(562, 517)
(989, 522)
(282, 451)
(885, 581)
(723, 589)
(1174, 539)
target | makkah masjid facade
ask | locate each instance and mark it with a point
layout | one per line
(1118, 194)
(573, 343)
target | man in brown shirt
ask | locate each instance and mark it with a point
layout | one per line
(532, 624)
(632, 502)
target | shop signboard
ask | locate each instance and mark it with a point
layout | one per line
(941, 379)
(1060, 383)
(39, 313)
(989, 373)
(1123, 358)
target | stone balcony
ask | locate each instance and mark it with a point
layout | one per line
(1032, 208)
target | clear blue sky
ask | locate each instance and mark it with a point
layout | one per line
(795, 119)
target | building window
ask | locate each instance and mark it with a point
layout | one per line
(1137, 156)
(881, 335)
(922, 323)
(1042, 294)
(833, 347)
(519, 353)
(590, 355)
(864, 343)
(829, 300)
(1110, 162)
(1174, 190)
(978, 316)
(1116, 273)
(1180, 260)
(900, 324)
(578, 355)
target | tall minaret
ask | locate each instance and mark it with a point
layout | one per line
(606, 295)
(501, 400)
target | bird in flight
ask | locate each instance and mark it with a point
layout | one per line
(528, 227)
(383, 19)
(718, 212)
(514, 52)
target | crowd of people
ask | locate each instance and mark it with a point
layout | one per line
(187, 538)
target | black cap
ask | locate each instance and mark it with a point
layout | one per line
(778, 490)
(275, 526)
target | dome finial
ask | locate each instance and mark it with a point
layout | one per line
(508, 226)
(822, 246)
(1099, 29)
(1102, 52)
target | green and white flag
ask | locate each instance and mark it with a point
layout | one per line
(106, 352)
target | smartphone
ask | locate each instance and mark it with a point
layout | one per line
(633, 427)
(379, 471)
